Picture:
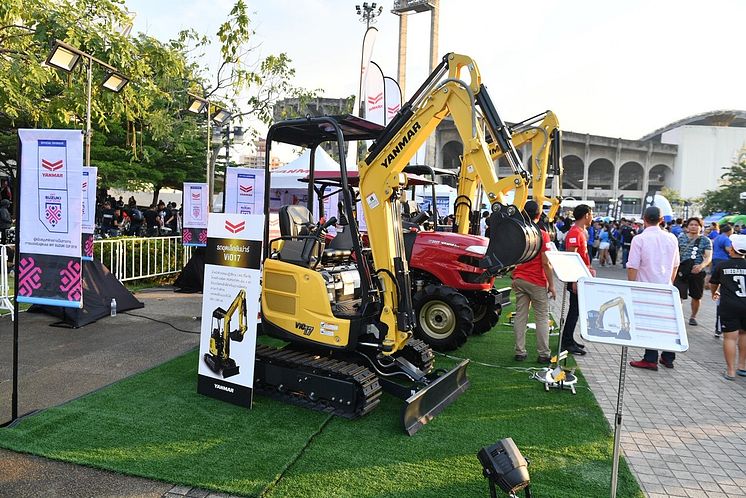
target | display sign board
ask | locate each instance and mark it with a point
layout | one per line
(636, 314)
(568, 266)
(230, 304)
(88, 208)
(50, 217)
(244, 191)
(196, 211)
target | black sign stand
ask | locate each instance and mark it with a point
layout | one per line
(14, 395)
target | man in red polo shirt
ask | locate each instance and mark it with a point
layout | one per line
(531, 282)
(576, 241)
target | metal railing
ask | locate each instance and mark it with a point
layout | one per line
(6, 298)
(134, 258)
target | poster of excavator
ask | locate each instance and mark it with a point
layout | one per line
(230, 304)
(635, 314)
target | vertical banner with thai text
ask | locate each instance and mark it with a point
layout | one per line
(230, 304)
(194, 231)
(88, 209)
(51, 177)
(244, 191)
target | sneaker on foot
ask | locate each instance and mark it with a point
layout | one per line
(648, 365)
(693, 321)
(544, 360)
(519, 357)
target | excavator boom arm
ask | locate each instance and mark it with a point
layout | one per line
(382, 179)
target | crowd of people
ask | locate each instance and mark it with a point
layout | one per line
(114, 218)
(685, 253)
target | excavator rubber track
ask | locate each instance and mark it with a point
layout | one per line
(316, 382)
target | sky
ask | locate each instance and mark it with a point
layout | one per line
(618, 69)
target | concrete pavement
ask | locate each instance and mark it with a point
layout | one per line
(683, 429)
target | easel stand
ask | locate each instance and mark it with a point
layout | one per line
(618, 422)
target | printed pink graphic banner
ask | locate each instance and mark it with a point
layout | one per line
(51, 217)
(194, 232)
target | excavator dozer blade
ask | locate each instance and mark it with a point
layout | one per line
(429, 401)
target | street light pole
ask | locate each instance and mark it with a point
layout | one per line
(88, 132)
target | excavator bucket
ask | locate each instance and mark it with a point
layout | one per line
(422, 406)
(514, 239)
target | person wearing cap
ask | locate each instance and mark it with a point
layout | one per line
(728, 285)
(531, 282)
(695, 252)
(654, 258)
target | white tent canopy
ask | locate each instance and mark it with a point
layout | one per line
(287, 176)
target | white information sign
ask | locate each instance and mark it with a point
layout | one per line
(244, 191)
(196, 211)
(230, 304)
(88, 193)
(50, 221)
(635, 314)
(568, 266)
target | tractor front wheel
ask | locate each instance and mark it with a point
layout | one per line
(444, 318)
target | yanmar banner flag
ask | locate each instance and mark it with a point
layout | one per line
(194, 232)
(392, 96)
(244, 191)
(230, 304)
(88, 208)
(50, 217)
(374, 97)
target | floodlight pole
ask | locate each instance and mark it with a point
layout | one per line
(210, 182)
(618, 422)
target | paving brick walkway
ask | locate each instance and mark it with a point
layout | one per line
(684, 430)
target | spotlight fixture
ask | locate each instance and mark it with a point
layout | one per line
(221, 116)
(503, 465)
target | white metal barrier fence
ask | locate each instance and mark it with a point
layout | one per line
(134, 258)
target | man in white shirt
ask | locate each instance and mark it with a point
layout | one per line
(654, 258)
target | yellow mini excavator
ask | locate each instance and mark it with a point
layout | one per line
(543, 133)
(218, 359)
(347, 313)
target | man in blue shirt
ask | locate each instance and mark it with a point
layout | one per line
(713, 231)
(676, 228)
(719, 254)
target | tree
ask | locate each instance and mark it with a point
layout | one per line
(726, 198)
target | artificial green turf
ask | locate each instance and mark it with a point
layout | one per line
(155, 425)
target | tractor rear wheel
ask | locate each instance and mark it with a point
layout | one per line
(444, 318)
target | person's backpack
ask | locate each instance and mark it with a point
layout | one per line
(136, 215)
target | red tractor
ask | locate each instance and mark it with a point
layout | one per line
(453, 297)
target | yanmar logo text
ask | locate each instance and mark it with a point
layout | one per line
(401, 144)
(53, 167)
(224, 388)
(235, 227)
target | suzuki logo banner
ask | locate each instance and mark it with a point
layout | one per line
(51, 215)
(230, 304)
(244, 191)
(194, 232)
(89, 210)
